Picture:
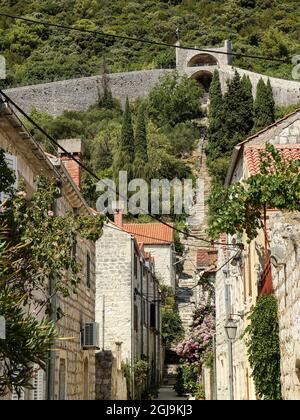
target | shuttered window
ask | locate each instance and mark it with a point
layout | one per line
(39, 387)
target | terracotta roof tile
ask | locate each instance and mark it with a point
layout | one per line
(206, 257)
(253, 157)
(150, 233)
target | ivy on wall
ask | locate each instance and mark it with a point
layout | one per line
(262, 341)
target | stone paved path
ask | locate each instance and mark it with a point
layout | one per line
(168, 393)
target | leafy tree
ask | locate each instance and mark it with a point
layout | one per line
(183, 138)
(125, 153)
(248, 3)
(34, 248)
(172, 330)
(264, 109)
(239, 207)
(174, 100)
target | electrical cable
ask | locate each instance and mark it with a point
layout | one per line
(83, 166)
(141, 40)
(219, 268)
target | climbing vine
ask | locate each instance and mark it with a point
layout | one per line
(262, 341)
(239, 207)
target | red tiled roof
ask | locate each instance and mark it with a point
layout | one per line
(253, 156)
(150, 233)
(206, 257)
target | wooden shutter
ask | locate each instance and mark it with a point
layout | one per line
(39, 385)
(14, 396)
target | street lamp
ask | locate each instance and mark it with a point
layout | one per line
(231, 328)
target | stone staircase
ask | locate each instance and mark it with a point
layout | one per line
(186, 292)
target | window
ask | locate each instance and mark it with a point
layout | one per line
(144, 311)
(135, 318)
(88, 270)
(39, 384)
(152, 315)
(135, 262)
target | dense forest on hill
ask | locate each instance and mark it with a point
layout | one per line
(36, 53)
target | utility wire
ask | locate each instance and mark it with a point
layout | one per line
(83, 166)
(163, 240)
(219, 268)
(141, 40)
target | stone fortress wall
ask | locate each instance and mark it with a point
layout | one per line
(80, 94)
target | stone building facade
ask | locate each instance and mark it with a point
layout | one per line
(244, 278)
(284, 237)
(127, 308)
(72, 369)
(157, 239)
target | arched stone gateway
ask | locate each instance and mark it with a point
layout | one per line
(204, 78)
(79, 94)
(202, 59)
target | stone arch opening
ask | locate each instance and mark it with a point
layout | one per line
(202, 59)
(204, 78)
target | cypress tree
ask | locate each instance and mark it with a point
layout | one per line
(247, 106)
(124, 155)
(215, 103)
(235, 119)
(264, 106)
(215, 116)
(141, 154)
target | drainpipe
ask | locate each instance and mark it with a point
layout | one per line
(215, 395)
(147, 316)
(132, 320)
(230, 370)
(50, 370)
(141, 271)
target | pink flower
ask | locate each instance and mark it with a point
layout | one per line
(50, 213)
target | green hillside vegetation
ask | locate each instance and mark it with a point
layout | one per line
(36, 53)
(135, 140)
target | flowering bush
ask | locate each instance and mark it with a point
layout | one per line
(198, 345)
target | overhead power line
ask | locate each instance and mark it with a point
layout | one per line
(141, 40)
(88, 170)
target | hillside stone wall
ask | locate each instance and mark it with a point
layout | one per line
(80, 94)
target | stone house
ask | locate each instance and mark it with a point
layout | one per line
(158, 239)
(128, 310)
(260, 269)
(71, 368)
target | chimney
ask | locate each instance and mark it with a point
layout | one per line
(118, 218)
(74, 147)
(118, 213)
